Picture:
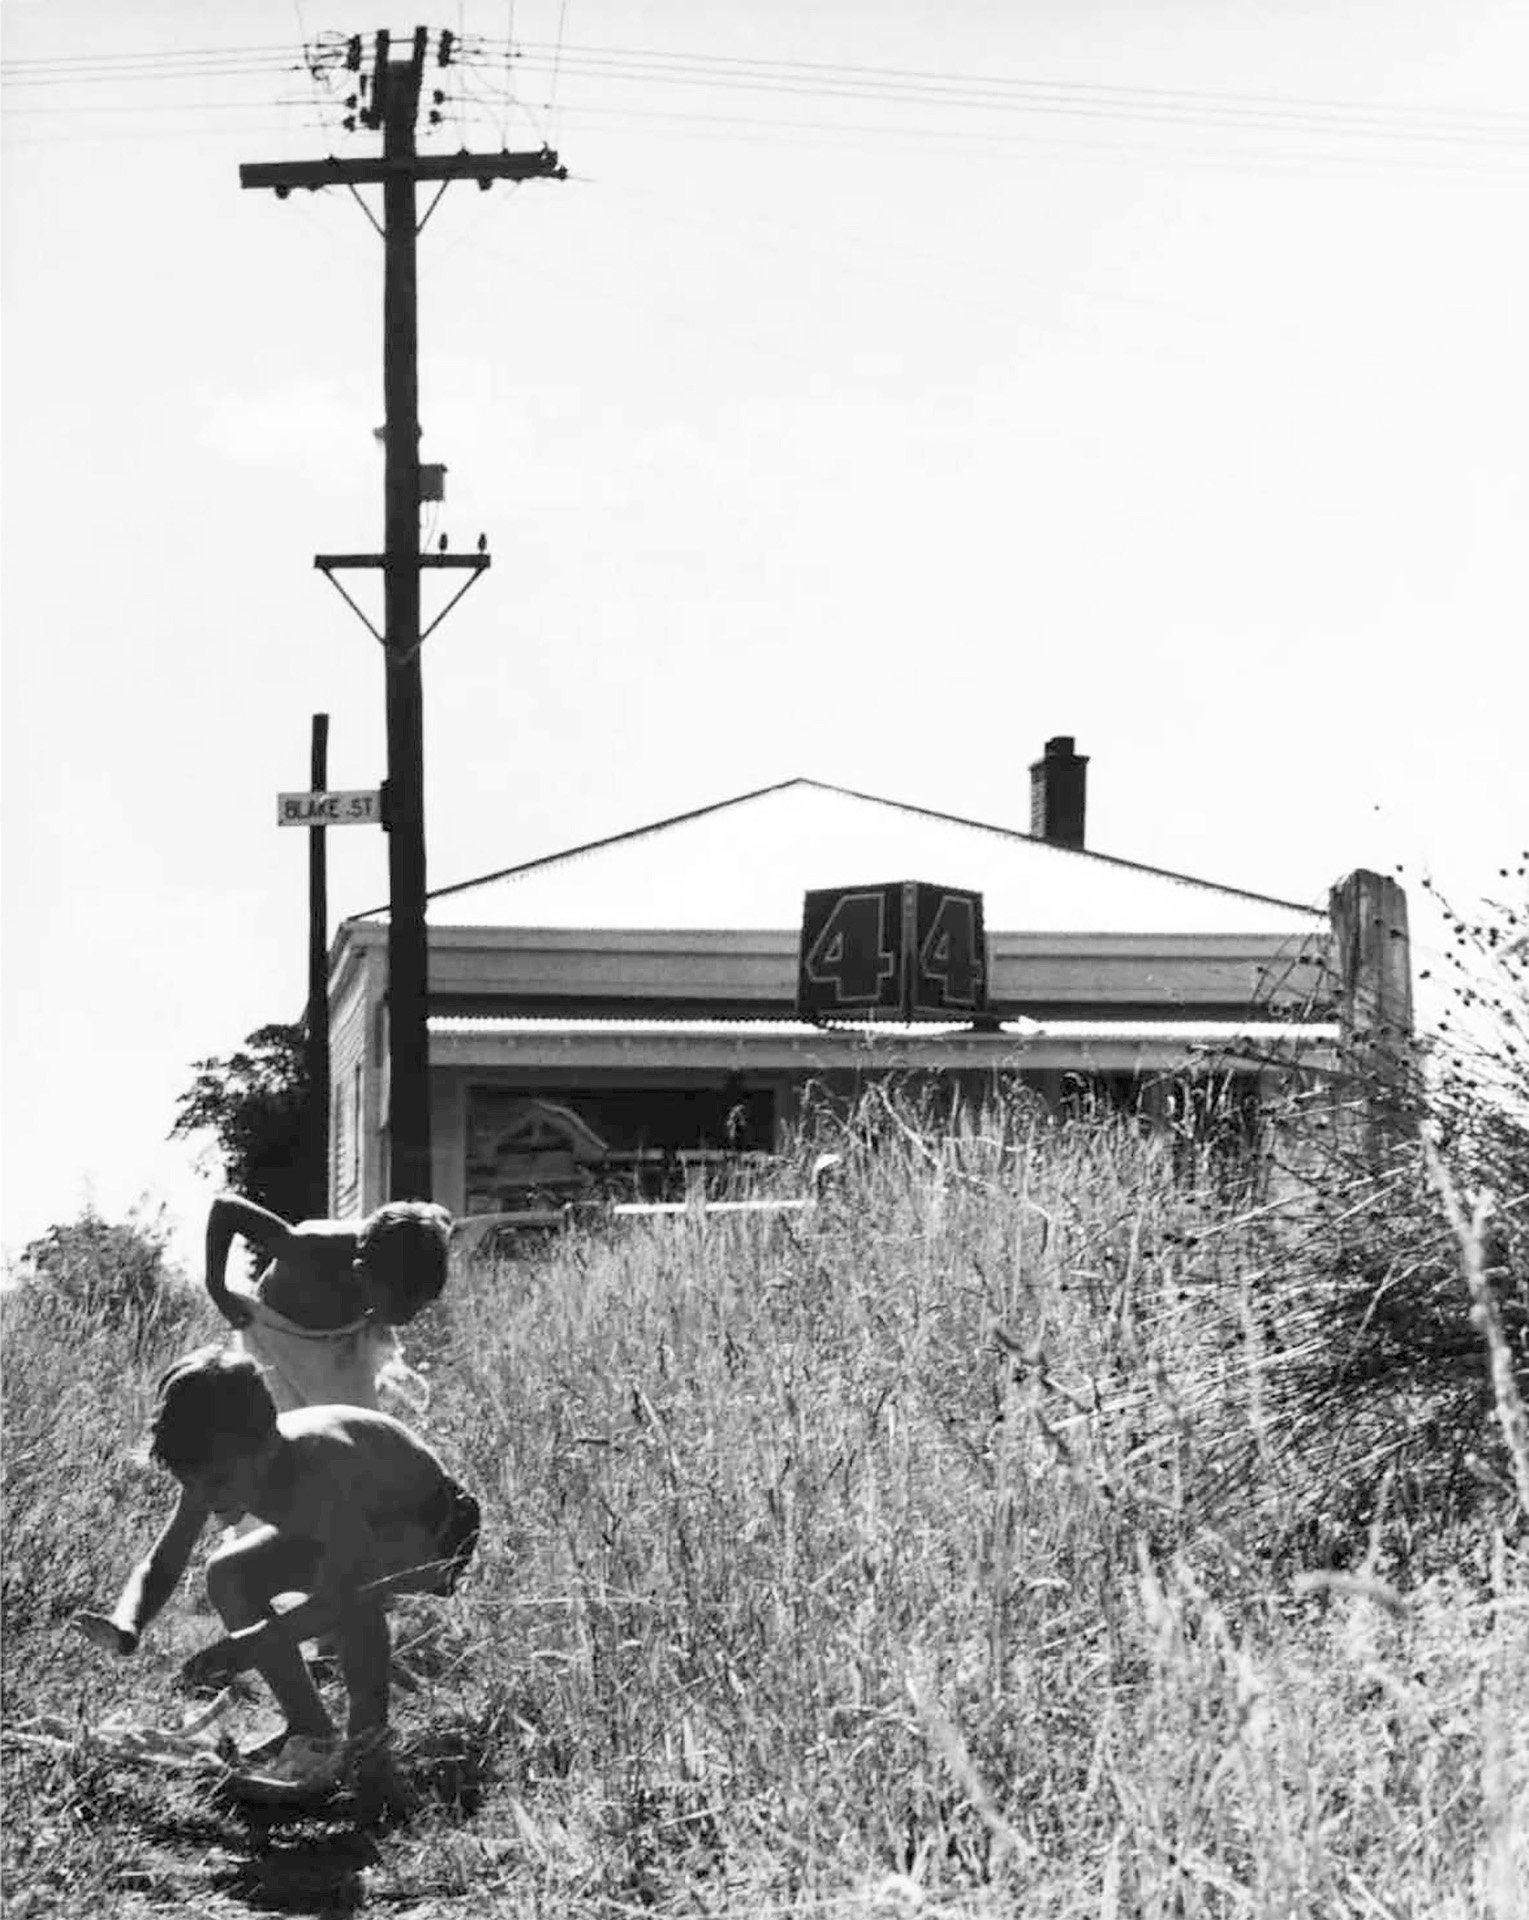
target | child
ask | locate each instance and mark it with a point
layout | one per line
(353, 1508)
(322, 1314)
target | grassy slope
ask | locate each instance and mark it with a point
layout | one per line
(835, 1564)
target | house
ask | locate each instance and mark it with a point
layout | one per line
(629, 1007)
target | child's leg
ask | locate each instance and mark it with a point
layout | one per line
(243, 1577)
(365, 1648)
(366, 1654)
(409, 1560)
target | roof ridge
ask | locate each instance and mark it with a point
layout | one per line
(1086, 853)
(850, 793)
(594, 846)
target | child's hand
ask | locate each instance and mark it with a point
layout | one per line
(212, 1666)
(103, 1632)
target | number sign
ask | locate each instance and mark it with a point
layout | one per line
(950, 968)
(900, 949)
(852, 951)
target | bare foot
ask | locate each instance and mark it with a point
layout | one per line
(104, 1633)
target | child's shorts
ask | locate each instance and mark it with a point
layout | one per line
(453, 1519)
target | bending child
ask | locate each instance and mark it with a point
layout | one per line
(322, 1315)
(353, 1508)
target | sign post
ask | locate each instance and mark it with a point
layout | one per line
(317, 810)
(316, 1020)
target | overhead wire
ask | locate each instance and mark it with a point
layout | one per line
(637, 65)
(91, 69)
(1382, 138)
(761, 131)
(163, 106)
(498, 113)
(1457, 139)
(987, 80)
(91, 136)
(806, 79)
(557, 54)
(509, 68)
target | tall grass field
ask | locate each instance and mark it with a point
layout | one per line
(1057, 1520)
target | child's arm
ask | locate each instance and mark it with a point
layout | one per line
(229, 1216)
(150, 1584)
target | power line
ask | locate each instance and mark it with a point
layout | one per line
(1497, 164)
(84, 69)
(163, 106)
(822, 80)
(1374, 133)
(1221, 120)
(557, 55)
(157, 54)
(807, 79)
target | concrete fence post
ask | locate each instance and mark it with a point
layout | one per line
(1373, 965)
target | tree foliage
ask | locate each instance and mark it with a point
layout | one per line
(116, 1273)
(254, 1104)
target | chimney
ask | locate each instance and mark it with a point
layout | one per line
(1058, 784)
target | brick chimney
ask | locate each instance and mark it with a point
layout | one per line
(1058, 787)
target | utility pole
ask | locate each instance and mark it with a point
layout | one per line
(394, 109)
(316, 1025)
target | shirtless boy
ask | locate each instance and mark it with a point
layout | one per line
(321, 1317)
(353, 1508)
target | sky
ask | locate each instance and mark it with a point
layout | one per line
(887, 389)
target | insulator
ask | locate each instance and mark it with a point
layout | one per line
(447, 43)
(353, 53)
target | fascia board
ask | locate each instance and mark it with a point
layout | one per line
(545, 966)
(824, 1052)
(354, 945)
(730, 940)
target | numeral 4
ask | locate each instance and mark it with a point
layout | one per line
(950, 951)
(851, 953)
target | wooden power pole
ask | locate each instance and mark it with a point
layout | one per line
(316, 1025)
(394, 109)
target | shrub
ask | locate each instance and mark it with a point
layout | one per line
(254, 1104)
(115, 1274)
(1372, 1354)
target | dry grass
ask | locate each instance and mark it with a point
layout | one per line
(873, 1562)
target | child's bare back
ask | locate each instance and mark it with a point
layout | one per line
(312, 1278)
(322, 1316)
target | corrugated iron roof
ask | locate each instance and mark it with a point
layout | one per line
(745, 863)
(1189, 1033)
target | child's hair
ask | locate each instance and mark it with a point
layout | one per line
(402, 1246)
(204, 1402)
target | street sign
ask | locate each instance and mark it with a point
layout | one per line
(899, 950)
(357, 809)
